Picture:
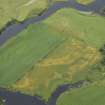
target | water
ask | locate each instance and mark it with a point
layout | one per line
(16, 98)
(14, 29)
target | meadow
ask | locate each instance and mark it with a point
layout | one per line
(89, 95)
(73, 58)
(21, 52)
(60, 49)
(58, 67)
(85, 2)
(20, 9)
(88, 28)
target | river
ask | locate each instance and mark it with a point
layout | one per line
(14, 29)
(16, 98)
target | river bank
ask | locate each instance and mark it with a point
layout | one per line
(11, 30)
(17, 98)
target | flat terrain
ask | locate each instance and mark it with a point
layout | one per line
(57, 68)
(85, 2)
(61, 49)
(91, 95)
(88, 28)
(21, 52)
(20, 9)
(67, 50)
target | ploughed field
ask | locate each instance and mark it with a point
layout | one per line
(61, 49)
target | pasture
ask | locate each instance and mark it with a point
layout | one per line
(52, 52)
(90, 95)
(85, 2)
(20, 9)
(19, 54)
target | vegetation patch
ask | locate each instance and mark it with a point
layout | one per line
(89, 95)
(20, 9)
(1, 101)
(61, 49)
(89, 28)
(59, 67)
(19, 54)
(85, 2)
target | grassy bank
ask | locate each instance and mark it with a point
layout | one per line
(91, 95)
(20, 9)
(85, 2)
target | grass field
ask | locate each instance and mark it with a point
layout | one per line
(56, 51)
(53, 1)
(89, 28)
(20, 9)
(90, 95)
(85, 2)
(21, 52)
(57, 68)
(71, 60)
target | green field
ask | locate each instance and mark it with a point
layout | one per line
(74, 57)
(88, 28)
(90, 95)
(20, 9)
(61, 49)
(59, 67)
(19, 54)
(85, 2)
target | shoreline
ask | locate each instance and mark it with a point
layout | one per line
(9, 96)
(13, 27)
